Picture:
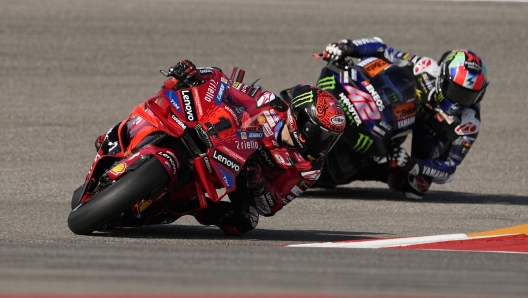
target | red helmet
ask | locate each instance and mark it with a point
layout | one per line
(315, 120)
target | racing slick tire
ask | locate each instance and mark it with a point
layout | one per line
(112, 201)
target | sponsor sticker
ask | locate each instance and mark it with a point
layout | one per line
(406, 122)
(269, 118)
(404, 110)
(227, 177)
(366, 61)
(297, 191)
(177, 120)
(279, 158)
(188, 105)
(262, 204)
(275, 116)
(267, 130)
(246, 144)
(205, 70)
(118, 169)
(338, 120)
(198, 102)
(221, 91)
(211, 89)
(373, 68)
(250, 135)
(225, 160)
(208, 164)
(174, 100)
(253, 92)
(375, 95)
(350, 110)
(172, 161)
(266, 156)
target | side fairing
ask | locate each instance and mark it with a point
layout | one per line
(366, 128)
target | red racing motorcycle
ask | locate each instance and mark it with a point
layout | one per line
(176, 153)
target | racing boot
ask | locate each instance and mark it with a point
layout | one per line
(415, 187)
(412, 187)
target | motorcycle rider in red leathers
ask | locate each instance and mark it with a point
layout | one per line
(299, 129)
(448, 120)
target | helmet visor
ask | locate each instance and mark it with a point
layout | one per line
(458, 94)
(319, 139)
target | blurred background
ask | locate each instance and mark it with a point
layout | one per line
(71, 69)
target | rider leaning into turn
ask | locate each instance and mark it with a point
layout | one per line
(298, 129)
(449, 94)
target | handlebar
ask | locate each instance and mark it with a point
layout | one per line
(341, 64)
(319, 56)
(189, 82)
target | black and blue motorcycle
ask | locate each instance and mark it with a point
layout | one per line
(379, 100)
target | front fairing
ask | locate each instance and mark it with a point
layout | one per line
(371, 121)
(221, 134)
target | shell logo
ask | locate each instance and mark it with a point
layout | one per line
(144, 205)
(118, 169)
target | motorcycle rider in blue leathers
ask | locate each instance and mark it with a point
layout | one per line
(449, 93)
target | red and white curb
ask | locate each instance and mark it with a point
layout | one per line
(507, 240)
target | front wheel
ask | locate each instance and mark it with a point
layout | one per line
(112, 201)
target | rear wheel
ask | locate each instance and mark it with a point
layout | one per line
(112, 201)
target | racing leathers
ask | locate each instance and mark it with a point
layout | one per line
(275, 173)
(440, 140)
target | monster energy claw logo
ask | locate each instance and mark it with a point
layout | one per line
(302, 99)
(327, 83)
(363, 144)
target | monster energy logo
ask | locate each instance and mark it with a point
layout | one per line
(302, 99)
(327, 83)
(363, 144)
(440, 97)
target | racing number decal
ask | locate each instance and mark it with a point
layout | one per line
(365, 105)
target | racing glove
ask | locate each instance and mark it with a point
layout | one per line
(399, 158)
(336, 51)
(185, 71)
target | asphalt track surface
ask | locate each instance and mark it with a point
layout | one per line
(70, 69)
